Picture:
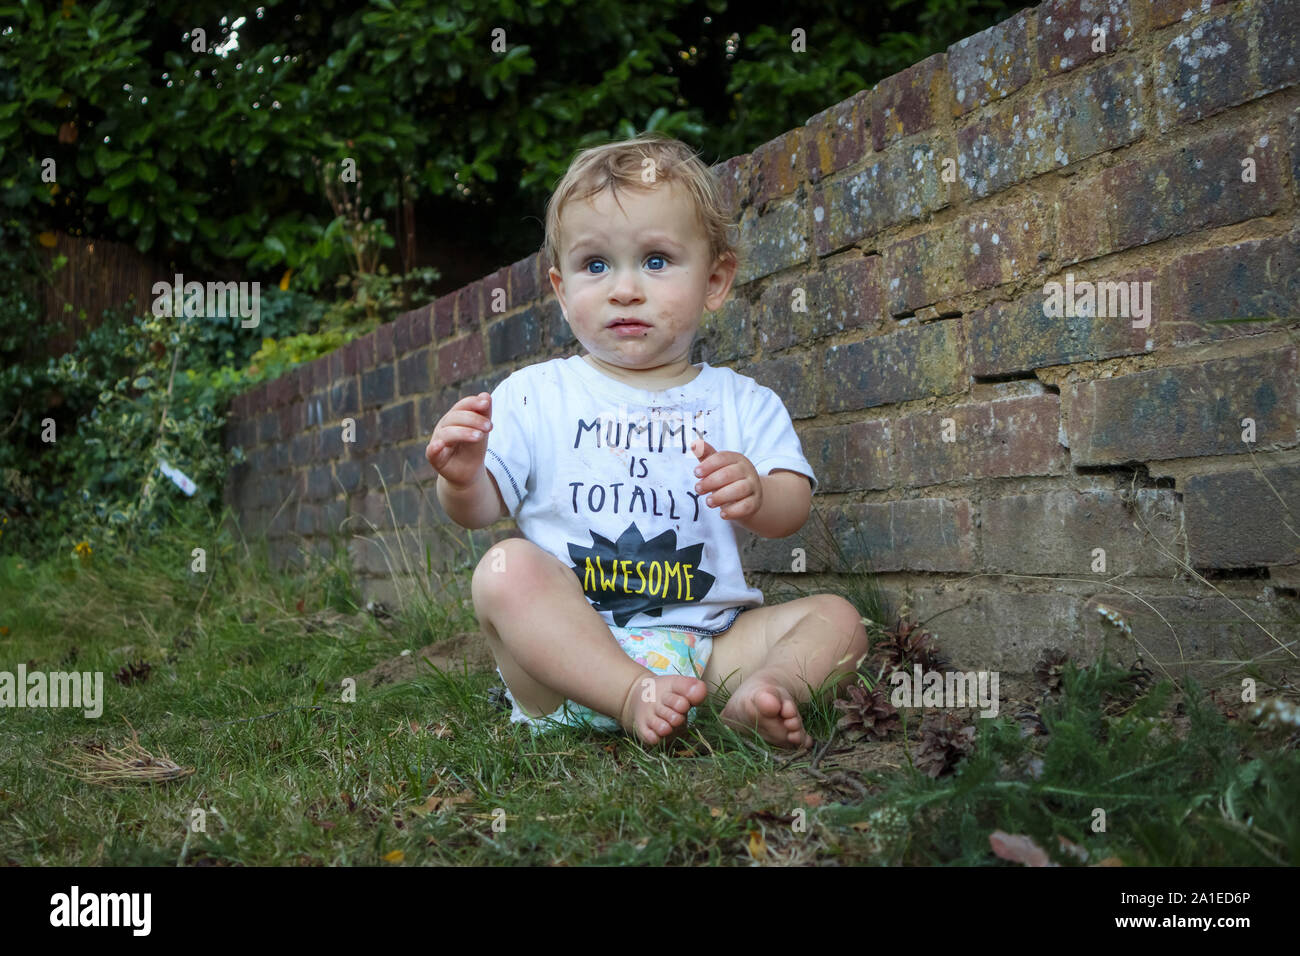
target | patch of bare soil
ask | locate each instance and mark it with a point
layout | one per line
(467, 650)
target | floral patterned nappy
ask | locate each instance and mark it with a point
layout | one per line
(663, 650)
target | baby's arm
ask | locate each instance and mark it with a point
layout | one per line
(787, 501)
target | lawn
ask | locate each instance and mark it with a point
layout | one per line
(242, 676)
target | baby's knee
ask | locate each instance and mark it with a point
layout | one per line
(510, 567)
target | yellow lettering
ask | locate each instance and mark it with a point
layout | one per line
(654, 567)
(686, 573)
(672, 572)
(641, 589)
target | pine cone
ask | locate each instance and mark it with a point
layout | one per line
(944, 741)
(904, 645)
(139, 671)
(867, 713)
(1049, 667)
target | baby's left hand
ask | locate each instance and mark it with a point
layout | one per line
(732, 479)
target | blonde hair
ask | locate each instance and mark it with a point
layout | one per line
(621, 165)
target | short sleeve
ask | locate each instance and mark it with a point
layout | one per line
(509, 455)
(770, 439)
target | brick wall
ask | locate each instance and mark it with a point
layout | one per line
(974, 451)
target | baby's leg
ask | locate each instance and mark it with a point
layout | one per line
(551, 644)
(771, 655)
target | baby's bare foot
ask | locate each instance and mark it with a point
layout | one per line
(762, 702)
(656, 706)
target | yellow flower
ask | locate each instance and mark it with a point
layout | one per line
(83, 550)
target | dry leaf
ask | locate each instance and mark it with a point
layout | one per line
(1019, 849)
(861, 825)
(325, 824)
(715, 812)
(813, 799)
(757, 845)
(396, 856)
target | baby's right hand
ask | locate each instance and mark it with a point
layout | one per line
(459, 441)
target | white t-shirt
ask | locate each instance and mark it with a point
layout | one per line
(601, 474)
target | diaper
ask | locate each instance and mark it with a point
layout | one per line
(663, 650)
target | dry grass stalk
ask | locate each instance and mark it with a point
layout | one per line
(124, 765)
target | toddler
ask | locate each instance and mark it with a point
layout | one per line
(628, 470)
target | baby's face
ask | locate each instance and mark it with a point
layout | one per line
(648, 261)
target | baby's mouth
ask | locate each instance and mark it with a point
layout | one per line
(627, 323)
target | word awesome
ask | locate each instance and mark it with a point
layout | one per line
(102, 909)
(930, 689)
(217, 300)
(58, 689)
(1105, 299)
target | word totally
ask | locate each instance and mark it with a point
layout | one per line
(1101, 300)
(953, 689)
(102, 909)
(57, 689)
(216, 300)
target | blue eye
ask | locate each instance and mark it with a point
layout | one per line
(661, 259)
(592, 263)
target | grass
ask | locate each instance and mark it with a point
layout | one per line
(246, 673)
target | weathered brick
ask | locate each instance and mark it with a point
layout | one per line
(343, 398)
(377, 386)
(279, 392)
(301, 448)
(330, 518)
(306, 520)
(732, 178)
(911, 363)
(1256, 279)
(292, 419)
(1294, 124)
(776, 240)
(919, 534)
(894, 189)
(413, 372)
(1172, 192)
(349, 475)
(1004, 438)
(1065, 31)
(362, 353)
(1007, 632)
(777, 167)
(444, 317)
(1002, 245)
(526, 280)
(513, 337)
(460, 359)
(411, 330)
(470, 307)
(850, 457)
(1019, 336)
(365, 434)
(397, 423)
(336, 360)
(1279, 44)
(1089, 114)
(1057, 532)
(910, 101)
(329, 443)
(728, 334)
(320, 483)
(384, 344)
(990, 65)
(1203, 631)
(1184, 411)
(848, 294)
(1161, 13)
(1204, 69)
(792, 379)
(838, 136)
(1236, 519)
